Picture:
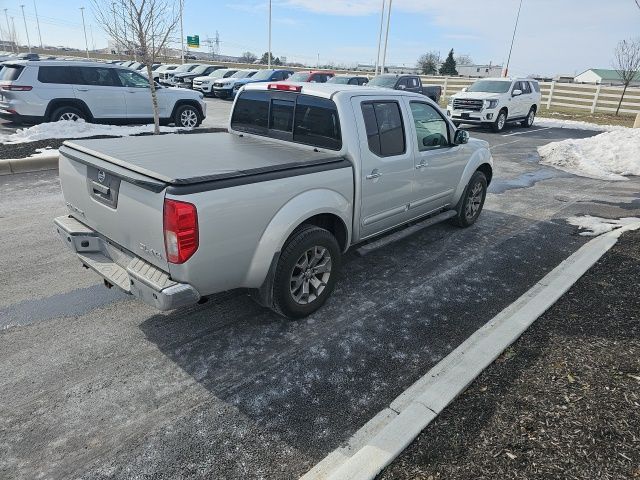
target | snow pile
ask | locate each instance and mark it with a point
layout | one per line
(576, 125)
(597, 226)
(44, 152)
(79, 129)
(607, 156)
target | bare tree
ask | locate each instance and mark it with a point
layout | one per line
(145, 26)
(248, 57)
(464, 59)
(627, 63)
(428, 63)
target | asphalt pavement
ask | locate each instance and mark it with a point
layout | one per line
(96, 385)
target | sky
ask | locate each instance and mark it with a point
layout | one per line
(553, 36)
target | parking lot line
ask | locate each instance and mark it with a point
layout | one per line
(503, 144)
(528, 131)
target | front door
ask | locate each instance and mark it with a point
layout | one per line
(100, 90)
(387, 164)
(137, 95)
(516, 108)
(438, 164)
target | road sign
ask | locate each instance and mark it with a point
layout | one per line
(193, 41)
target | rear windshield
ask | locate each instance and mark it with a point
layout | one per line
(10, 72)
(299, 77)
(288, 116)
(340, 80)
(383, 81)
(490, 86)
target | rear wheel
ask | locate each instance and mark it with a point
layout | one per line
(68, 113)
(531, 116)
(187, 116)
(472, 201)
(501, 121)
(306, 272)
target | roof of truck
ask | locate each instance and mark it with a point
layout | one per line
(328, 90)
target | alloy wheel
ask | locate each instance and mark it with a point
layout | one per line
(73, 117)
(189, 118)
(474, 200)
(310, 275)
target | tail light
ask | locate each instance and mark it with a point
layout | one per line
(285, 86)
(16, 88)
(180, 230)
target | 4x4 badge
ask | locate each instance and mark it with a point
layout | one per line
(101, 176)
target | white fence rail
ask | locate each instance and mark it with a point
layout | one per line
(595, 98)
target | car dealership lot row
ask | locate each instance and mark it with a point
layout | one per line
(96, 385)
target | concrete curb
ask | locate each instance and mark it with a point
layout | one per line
(386, 435)
(29, 164)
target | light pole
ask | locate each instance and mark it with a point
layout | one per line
(181, 32)
(15, 34)
(11, 39)
(386, 38)
(269, 51)
(506, 70)
(37, 22)
(379, 38)
(86, 44)
(24, 19)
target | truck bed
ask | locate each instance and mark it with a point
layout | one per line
(181, 160)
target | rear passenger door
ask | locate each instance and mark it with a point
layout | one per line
(387, 171)
(100, 90)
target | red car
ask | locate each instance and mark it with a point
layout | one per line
(315, 76)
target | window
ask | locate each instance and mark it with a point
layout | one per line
(536, 86)
(516, 86)
(97, 76)
(132, 79)
(353, 81)
(385, 132)
(316, 123)
(61, 74)
(431, 128)
(298, 118)
(10, 72)
(402, 83)
(413, 82)
(281, 117)
(526, 88)
(478, 69)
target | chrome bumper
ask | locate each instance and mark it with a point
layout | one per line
(121, 268)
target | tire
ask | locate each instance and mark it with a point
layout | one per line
(470, 205)
(67, 113)
(531, 116)
(501, 121)
(295, 272)
(187, 116)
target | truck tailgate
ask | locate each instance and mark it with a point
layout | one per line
(123, 206)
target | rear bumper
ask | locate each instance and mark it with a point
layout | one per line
(122, 269)
(17, 118)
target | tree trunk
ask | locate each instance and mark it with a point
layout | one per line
(154, 97)
(621, 97)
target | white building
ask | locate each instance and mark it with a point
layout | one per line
(479, 70)
(604, 76)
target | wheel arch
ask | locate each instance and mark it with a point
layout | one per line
(480, 160)
(188, 101)
(67, 102)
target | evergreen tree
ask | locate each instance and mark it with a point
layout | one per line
(448, 68)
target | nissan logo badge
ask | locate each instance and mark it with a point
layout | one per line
(101, 176)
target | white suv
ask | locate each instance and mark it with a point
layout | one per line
(496, 102)
(48, 91)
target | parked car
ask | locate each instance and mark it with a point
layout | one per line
(312, 76)
(409, 83)
(166, 77)
(185, 79)
(162, 69)
(223, 88)
(189, 56)
(496, 102)
(305, 172)
(48, 91)
(272, 75)
(205, 84)
(349, 80)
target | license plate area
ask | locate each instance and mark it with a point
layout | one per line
(465, 114)
(103, 187)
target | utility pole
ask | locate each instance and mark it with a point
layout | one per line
(37, 23)
(506, 70)
(379, 38)
(11, 36)
(24, 19)
(269, 54)
(181, 31)
(15, 35)
(86, 43)
(386, 38)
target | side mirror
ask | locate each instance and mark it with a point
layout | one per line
(461, 137)
(464, 89)
(515, 93)
(402, 87)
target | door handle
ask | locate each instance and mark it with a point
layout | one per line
(82, 89)
(422, 165)
(374, 174)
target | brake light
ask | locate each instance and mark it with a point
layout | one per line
(16, 88)
(180, 230)
(287, 87)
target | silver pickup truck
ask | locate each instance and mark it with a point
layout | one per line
(305, 172)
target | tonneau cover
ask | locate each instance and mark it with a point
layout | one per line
(180, 159)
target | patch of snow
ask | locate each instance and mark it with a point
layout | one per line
(595, 226)
(44, 152)
(576, 125)
(79, 129)
(607, 156)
